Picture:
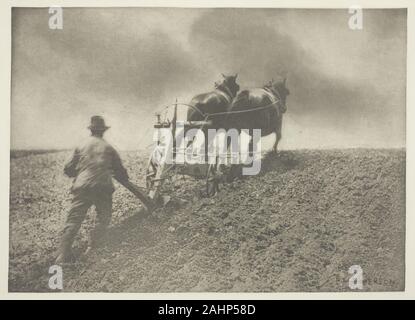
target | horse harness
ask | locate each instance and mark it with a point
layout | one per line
(274, 97)
(228, 96)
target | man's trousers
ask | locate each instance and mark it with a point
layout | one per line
(82, 200)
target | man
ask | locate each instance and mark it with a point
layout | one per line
(92, 166)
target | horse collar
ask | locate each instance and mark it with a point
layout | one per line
(226, 92)
(274, 92)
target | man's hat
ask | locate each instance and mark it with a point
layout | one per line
(98, 123)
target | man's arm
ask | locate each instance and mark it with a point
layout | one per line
(119, 172)
(70, 166)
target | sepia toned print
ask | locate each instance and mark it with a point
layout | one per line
(117, 182)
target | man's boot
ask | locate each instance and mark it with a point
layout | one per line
(65, 254)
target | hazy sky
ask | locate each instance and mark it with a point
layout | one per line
(347, 86)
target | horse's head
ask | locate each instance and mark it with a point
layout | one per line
(280, 90)
(229, 84)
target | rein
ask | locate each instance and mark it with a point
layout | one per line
(276, 95)
(209, 115)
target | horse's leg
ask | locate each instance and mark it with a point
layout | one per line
(277, 139)
(278, 136)
(237, 168)
(251, 142)
(234, 168)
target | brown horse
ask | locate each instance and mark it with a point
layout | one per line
(215, 101)
(264, 110)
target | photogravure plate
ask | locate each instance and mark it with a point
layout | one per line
(323, 210)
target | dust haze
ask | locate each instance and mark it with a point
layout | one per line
(347, 86)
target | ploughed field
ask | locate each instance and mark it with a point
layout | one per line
(298, 226)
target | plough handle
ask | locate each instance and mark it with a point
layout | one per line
(147, 202)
